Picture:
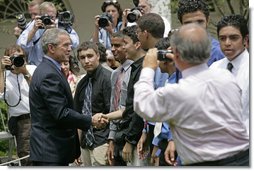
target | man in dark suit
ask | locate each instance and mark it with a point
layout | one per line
(54, 139)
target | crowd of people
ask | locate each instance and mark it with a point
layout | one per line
(150, 95)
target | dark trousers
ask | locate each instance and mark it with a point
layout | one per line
(240, 159)
(40, 163)
(23, 138)
(118, 159)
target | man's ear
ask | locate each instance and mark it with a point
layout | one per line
(137, 45)
(51, 48)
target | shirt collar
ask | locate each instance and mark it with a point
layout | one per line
(194, 70)
(237, 61)
(57, 64)
(126, 65)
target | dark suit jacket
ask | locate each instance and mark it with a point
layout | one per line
(54, 135)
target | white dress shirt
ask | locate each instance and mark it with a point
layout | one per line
(241, 72)
(202, 110)
(12, 92)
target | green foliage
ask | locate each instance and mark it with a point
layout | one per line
(4, 145)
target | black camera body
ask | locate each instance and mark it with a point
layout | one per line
(21, 21)
(65, 20)
(16, 60)
(46, 19)
(161, 54)
(104, 20)
(134, 14)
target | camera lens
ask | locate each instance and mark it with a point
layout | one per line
(131, 17)
(47, 21)
(18, 61)
(21, 21)
(103, 22)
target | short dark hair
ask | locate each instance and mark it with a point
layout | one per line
(88, 45)
(102, 52)
(190, 6)
(153, 24)
(116, 5)
(163, 43)
(131, 32)
(235, 20)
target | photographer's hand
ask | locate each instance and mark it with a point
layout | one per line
(5, 60)
(150, 60)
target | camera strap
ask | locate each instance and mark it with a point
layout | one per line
(36, 41)
(5, 100)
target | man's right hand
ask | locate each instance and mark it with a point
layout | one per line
(99, 120)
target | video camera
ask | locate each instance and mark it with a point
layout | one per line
(16, 60)
(65, 20)
(161, 54)
(104, 20)
(134, 14)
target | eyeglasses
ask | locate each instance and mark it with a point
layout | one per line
(110, 1)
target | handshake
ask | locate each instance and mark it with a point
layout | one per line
(99, 120)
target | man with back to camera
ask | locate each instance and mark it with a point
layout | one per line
(203, 113)
(30, 37)
(54, 138)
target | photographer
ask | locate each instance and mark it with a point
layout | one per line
(30, 38)
(15, 77)
(112, 16)
(33, 10)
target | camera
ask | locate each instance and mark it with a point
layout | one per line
(104, 19)
(65, 20)
(16, 60)
(21, 21)
(161, 54)
(46, 19)
(134, 14)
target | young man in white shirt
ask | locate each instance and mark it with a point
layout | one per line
(233, 33)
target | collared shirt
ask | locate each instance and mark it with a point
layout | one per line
(101, 92)
(123, 95)
(34, 48)
(202, 110)
(216, 53)
(241, 72)
(165, 129)
(12, 92)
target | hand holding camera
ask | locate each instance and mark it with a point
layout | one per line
(43, 22)
(13, 61)
(153, 55)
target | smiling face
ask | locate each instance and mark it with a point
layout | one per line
(231, 42)
(118, 50)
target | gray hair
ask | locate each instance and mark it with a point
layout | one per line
(194, 47)
(51, 36)
(45, 5)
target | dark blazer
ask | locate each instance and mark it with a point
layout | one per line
(54, 136)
